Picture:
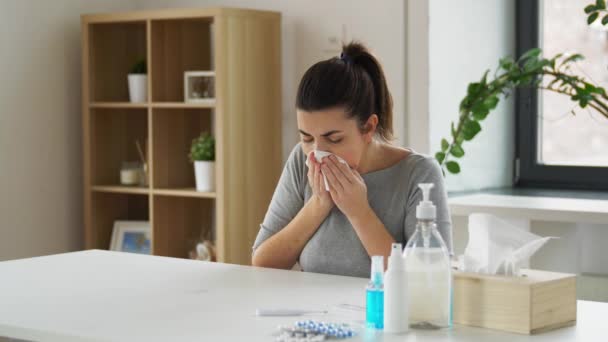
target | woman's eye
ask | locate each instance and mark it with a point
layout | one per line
(307, 141)
(336, 141)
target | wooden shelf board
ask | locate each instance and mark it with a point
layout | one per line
(126, 105)
(182, 105)
(184, 192)
(121, 189)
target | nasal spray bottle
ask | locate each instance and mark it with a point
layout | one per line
(375, 294)
(427, 264)
(396, 318)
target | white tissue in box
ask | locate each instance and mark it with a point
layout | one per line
(497, 247)
(319, 155)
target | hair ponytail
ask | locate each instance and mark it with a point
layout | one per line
(354, 81)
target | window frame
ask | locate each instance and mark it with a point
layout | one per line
(528, 171)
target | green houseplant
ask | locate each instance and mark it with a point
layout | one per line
(202, 154)
(138, 82)
(140, 67)
(530, 70)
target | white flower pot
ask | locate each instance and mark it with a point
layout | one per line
(204, 174)
(138, 87)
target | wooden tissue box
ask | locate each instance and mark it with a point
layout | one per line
(535, 302)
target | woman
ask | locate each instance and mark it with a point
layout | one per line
(344, 107)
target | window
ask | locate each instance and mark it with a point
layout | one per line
(554, 147)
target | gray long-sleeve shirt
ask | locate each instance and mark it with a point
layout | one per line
(392, 193)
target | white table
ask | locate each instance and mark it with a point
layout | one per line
(108, 296)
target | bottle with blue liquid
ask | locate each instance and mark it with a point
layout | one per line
(375, 294)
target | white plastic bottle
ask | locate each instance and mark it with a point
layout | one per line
(396, 318)
(428, 269)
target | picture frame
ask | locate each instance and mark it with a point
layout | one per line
(199, 87)
(132, 237)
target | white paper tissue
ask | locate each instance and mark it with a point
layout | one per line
(319, 155)
(497, 247)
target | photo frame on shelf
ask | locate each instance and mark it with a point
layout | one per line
(132, 237)
(199, 87)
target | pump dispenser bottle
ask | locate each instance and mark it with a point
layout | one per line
(427, 264)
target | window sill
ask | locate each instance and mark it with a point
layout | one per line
(534, 204)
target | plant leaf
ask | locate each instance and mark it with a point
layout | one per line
(590, 8)
(506, 63)
(444, 145)
(592, 17)
(470, 130)
(481, 114)
(554, 59)
(440, 156)
(605, 20)
(474, 89)
(532, 53)
(453, 167)
(457, 151)
(600, 90)
(491, 102)
(484, 79)
(600, 4)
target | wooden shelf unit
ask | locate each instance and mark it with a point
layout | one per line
(242, 47)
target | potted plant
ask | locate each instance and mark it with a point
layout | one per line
(138, 82)
(202, 154)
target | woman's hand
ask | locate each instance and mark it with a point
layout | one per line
(347, 188)
(315, 180)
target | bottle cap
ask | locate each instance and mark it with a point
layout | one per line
(395, 260)
(377, 269)
(426, 209)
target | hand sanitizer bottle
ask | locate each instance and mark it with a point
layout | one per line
(395, 293)
(375, 294)
(427, 264)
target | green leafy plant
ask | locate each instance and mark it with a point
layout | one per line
(530, 70)
(203, 148)
(140, 67)
(594, 11)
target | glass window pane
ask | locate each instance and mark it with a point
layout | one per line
(566, 139)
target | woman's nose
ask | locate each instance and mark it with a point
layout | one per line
(321, 146)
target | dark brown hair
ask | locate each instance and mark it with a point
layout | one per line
(354, 81)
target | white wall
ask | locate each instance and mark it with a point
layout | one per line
(307, 25)
(467, 37)
(40, 125)
(417, 76)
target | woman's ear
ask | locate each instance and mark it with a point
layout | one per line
(369, 130)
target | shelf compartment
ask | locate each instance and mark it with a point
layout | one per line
(173, 132)
(179, 223)
(178, 46)
(113, 136)
(110, 207)
(114, 49)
